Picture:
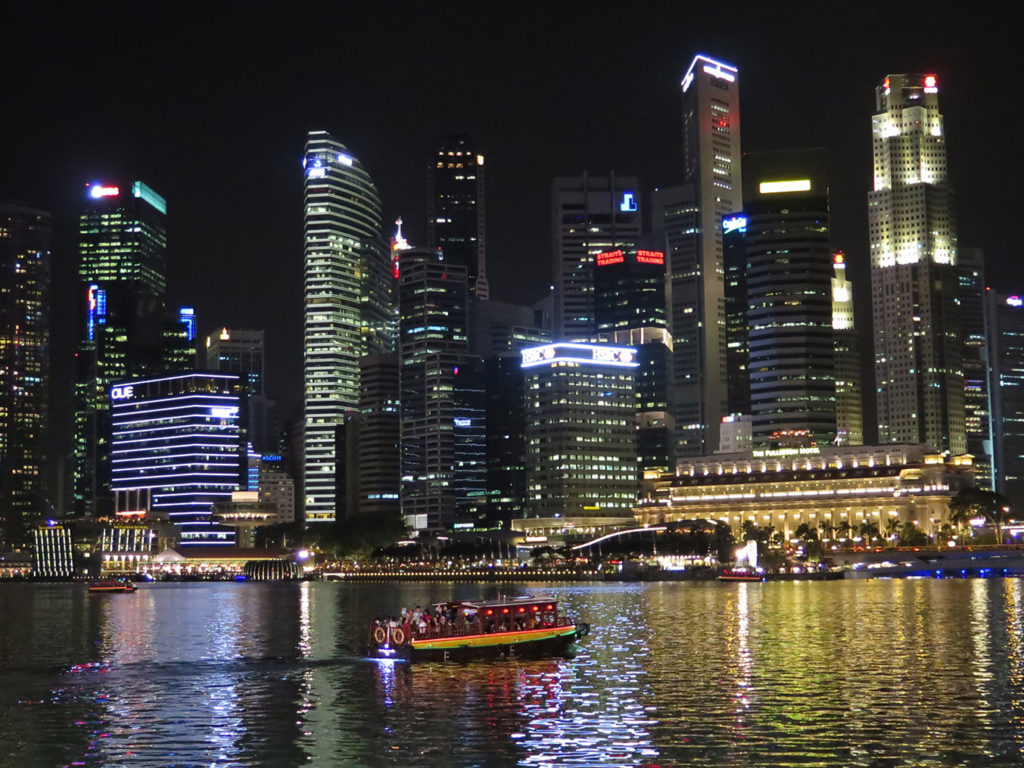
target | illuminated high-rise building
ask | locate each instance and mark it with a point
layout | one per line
(630, 302)
(691, 217)
(1004, 319)
(239, 351)
(845, 342)
(179, 448)
(581, 466)
(121, 269)
(456, 209)
(977, 421)
(919, 375)
(24, 368)
(589, 215)
(347, 311)
(789, 269)
(442, 429)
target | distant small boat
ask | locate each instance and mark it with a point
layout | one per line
(111, 585)
(740, 576)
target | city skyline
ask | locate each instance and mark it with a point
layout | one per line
(233, 215)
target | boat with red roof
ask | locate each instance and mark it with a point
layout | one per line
(464, 630)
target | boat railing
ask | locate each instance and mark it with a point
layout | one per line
(436, 631)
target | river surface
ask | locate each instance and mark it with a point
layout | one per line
(841, 673)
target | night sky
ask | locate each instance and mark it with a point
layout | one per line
(209, 104)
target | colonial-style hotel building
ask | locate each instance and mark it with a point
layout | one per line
(875, 484)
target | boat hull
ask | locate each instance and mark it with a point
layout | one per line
(525, 644)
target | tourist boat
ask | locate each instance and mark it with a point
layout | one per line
(522, 627)
(740, 575)
(111, 585)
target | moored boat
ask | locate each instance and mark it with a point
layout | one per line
(741, 575)
(111, 585)
(523, 627)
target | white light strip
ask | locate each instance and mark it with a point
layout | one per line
(774, 187)
(712, 67)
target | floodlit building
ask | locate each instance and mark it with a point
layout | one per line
(580, 435)
(919, 374)
(847, 346)
(690, 216)
(348, 306)
(833, 489)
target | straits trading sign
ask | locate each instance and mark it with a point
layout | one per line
(588, 354)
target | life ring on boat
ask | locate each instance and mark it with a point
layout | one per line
(380, 635)
(397, 636)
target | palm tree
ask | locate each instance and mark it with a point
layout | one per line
(827, 530)
(843, 529)
(869, 532)
(970, 503)
(806, 533)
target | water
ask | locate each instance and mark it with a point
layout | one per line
(842, 673)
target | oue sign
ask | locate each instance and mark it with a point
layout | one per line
(121, 393)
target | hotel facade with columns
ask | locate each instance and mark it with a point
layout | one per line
(885, 485)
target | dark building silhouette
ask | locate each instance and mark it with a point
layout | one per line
(24, 368)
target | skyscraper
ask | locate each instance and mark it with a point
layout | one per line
(847, 346)
(977, 424)
(918, 341)
(499, 331)
(1004, 316)
(24, 368)
(589, 215)
(122, 253)
(580, 434)
(178, 448)
(455, 208)
(789, 268)
(239, 351)
(630, 303)
(346, 305)
(433, 350)
(691, 217)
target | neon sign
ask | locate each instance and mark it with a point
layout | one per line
(650, 257)
(123, 392)
(622, 357)
(628, 204)
(228, 412)
(98, 190)
(610, 257)
(463, 422)
(1015, 301)
(734, 224)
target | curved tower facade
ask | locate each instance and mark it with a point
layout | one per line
(343, 256)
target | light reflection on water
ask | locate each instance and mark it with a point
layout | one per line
(860, 673)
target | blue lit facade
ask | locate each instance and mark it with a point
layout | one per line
(1004, 320)
(180, 442)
